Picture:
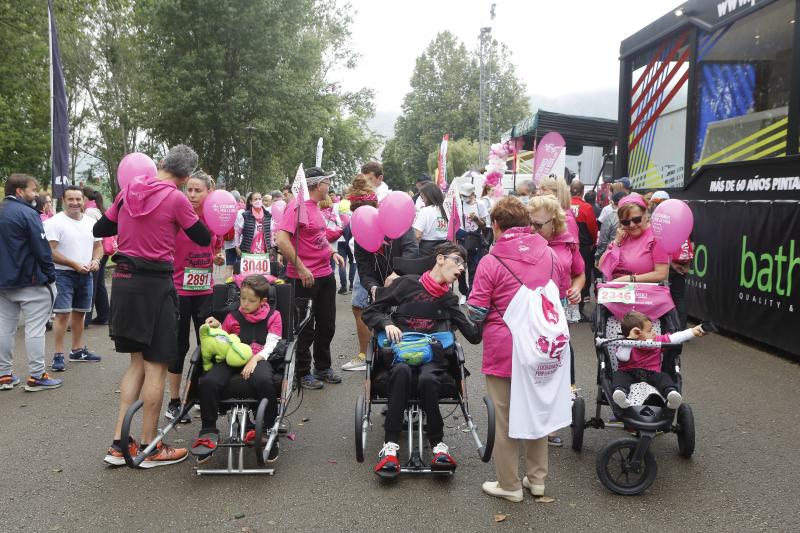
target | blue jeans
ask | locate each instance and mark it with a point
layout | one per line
(360, 296)
(74, 292)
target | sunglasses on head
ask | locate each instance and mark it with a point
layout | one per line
(632, 220)
(539, 225)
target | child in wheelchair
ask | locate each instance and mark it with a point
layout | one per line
(406, 306)
(259, 326)
(644, 364)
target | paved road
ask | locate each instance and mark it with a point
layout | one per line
(744, 476)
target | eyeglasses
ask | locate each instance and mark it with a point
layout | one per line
(633, 220)
(456, 259)
(539, 225)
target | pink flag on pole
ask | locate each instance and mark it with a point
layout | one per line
(442, 177)
(454, 223)
(549, 152)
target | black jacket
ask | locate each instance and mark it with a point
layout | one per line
(374, 267)
(25, 256)
(408, 290)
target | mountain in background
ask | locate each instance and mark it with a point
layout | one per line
(601, 103)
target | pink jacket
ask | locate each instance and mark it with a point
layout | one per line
(572, 225)
(569, 256)
(529, 257)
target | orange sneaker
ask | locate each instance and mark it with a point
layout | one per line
(114, 454)
(165, 455)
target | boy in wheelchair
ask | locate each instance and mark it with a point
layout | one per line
(260, 327)
(407, 306)
(644, 364)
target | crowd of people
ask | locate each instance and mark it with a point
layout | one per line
(550, 240)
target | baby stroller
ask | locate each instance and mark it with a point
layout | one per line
(627, 465)
(452, 391)
(295, 314)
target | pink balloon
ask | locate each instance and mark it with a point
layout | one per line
(365, 228)
(672, 222)
(395, 214)
(219, 211)
(132, 165)
(277, 209)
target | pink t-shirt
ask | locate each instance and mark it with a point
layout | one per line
(637, 255)
(200, 262)
(258, 246)
(312, 246)
(152, 214)
(645, 358)
(569, 257)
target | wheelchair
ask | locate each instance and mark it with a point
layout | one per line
(452, 391)
(295, 314)
(627, 465)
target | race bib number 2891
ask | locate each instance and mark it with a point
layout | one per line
(197, 279)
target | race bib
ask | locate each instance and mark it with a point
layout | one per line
(255, 264)
(197, 279)
(625, 294)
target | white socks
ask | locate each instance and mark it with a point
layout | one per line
(621, 399)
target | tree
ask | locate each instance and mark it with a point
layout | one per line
(252, 73)
(444, 98)
(461, 156)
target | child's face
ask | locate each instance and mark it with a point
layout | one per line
(249, 300)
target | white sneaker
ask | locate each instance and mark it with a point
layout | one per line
(621, 399)
(536, 490)
(358, 362)
(491, 488)
(674, 399)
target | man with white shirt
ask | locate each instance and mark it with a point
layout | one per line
(76, 254)
(474, 219)
(373, 171)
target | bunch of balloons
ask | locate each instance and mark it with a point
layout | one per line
(391, 219)
(496, 168)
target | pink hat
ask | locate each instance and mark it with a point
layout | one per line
(633, 199)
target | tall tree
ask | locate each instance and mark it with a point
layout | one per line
(231, 76)
(444, 98)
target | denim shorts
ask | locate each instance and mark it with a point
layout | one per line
(74, 292)
(360, 297)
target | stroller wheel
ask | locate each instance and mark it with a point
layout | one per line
(685, 431)
(616, 472)
(578, 423)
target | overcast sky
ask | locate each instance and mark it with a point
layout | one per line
(558, 46)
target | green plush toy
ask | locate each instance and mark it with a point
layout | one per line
(217, 345)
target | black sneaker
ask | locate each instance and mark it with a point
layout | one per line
(328, 376)
(343, 290)
(173, 409)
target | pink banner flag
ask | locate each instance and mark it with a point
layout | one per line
(549, 152)
(442, 176)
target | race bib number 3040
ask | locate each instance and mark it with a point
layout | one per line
(255, 264)
(196, 279)
(625, 294)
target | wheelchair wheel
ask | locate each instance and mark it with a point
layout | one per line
(685, 431)
(125, 434)
(486, 453)
(617, 474)
(360, 429)
(258, 443)
(578, 423)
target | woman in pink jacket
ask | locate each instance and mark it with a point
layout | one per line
(529, 258)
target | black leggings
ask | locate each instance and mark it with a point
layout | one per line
(318, 332)
(660, 380)
(223, 381)
(194, 309)
(402, 380)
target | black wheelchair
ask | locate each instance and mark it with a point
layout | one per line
(242, 412)
(627, 465)
(452, 391)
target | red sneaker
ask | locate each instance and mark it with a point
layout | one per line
(165, 455)
(388, 467)
(114, 453)
(441, 459)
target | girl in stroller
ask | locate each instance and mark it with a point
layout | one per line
(644, 364)
(258, 326)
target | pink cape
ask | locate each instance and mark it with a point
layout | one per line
(653, 300)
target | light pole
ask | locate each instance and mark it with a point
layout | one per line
(251, 184)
